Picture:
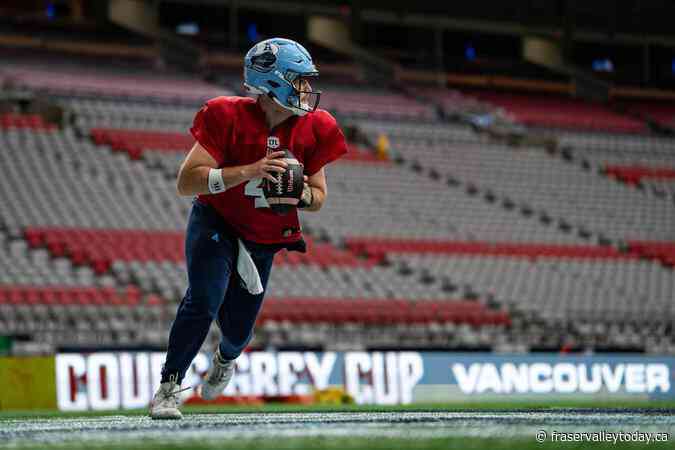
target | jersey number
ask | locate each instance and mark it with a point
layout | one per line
(254, 189)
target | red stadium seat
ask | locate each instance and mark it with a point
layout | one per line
(379, 246)
(561, 112)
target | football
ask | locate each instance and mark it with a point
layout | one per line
(284, 194)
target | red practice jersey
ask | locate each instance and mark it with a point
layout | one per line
(234, 131)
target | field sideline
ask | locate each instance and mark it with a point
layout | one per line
(484, 425)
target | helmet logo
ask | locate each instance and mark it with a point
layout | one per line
(264, 56)
(266, 47)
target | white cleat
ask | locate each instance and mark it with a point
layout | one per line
(164, 404)
(218, 376)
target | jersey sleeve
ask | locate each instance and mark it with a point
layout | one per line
(330, 144)
(207, 130)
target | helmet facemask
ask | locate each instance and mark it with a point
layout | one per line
(303, 99)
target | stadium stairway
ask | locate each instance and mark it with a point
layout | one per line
(645, 163)
(646, 166)
(565, 219)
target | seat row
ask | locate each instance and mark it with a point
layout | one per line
(635, 174)
(561, 112)
(664, 251)
(662, 112)
(61, 296)
(32, 121)
(99, 248)
(87, 81)
(374, 311)
(380, 311)
(135, 142)
(379, 246)
(374, 103)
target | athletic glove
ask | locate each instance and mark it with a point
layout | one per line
(307, 197)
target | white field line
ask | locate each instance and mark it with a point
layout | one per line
(419, 425)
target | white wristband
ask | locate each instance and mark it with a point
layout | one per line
(216, 183)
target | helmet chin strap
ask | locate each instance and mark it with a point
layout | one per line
(294, 110)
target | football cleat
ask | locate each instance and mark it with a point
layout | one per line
(164, 404)
(218, 376)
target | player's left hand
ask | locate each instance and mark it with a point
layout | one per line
(307, 197)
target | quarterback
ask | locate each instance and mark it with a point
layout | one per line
(233, 234)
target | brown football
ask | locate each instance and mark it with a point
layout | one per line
(285, 194)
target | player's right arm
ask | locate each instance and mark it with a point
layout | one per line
(193, 175)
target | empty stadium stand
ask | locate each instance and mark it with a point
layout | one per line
(454, 241)
(65, 79)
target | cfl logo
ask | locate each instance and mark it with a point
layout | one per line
(272, 142)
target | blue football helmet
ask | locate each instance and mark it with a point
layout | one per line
(276, 67)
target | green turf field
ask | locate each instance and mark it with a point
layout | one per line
(485, 425)
(654, 405)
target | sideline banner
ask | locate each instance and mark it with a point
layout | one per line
(100, 381)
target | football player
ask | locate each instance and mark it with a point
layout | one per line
(239, 142)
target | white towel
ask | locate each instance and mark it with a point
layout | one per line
(247, 271)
